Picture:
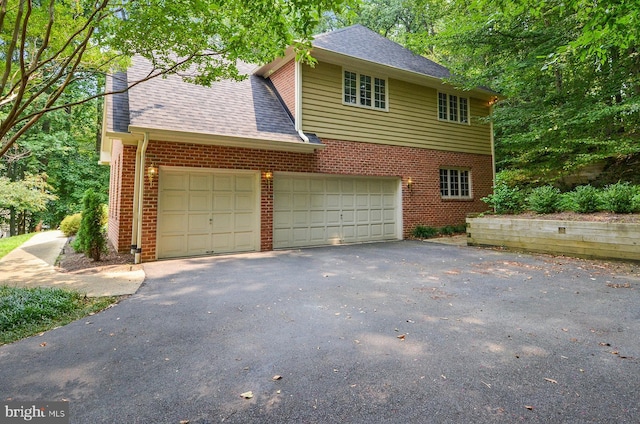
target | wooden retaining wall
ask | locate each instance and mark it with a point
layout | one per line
(570, 238)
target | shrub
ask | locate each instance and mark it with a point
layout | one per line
(583, 199)
(423, 232)
(505, 199)
(91, 239)
(70, 224)
(544, 199)
(447, 230)
(618, 198)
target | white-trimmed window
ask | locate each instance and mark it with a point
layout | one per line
(453, 108)
(364, 90)
(455, 183)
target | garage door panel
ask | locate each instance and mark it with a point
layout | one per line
(333, 201)
(317, 217)
(172, 245)
(317, 234)
(175, 181)
(362, 216)
(243, 222)
(199, 223)
(333, 218)
(223, 182)
(222, 222)
(198, 244)
(301, 201)
(199, 201)
(199, 182)
(223, 202)
(300, 218)
(173, 201)
(175, 223)
(244, 202)
(300, 235)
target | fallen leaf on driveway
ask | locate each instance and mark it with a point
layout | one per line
(530, 408)
(184, 421)
(401, 336)
(551, 380)
(43, 344)
(276, 377)
(247, 395)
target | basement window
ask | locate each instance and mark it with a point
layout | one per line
(455, 183)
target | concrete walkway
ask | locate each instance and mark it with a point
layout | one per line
(33, 265)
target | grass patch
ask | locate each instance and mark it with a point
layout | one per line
(25, 312)
(9, 243)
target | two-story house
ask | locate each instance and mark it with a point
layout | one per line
(364, 146)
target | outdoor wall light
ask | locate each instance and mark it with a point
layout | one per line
(409, 183)
(152, 171)
(268, 175)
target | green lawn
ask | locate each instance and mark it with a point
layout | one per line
(26, 312)
(10, 243)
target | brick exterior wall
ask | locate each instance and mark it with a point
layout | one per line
(421, 205)
(120, 223)
(284, 81)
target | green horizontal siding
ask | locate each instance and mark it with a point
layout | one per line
(411, 121)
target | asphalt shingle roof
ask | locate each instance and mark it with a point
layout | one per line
(362, 43)
(249, 108)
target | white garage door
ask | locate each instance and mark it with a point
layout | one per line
(207, 212)
(320, 210)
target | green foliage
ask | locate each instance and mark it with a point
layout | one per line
(505, 199)
(7, 244)
(30, 194)
(424, 232)
(583, 199)
(28, 311)
(618, 198)
(91, 239)
(544, 199)
(565, 105)
(71, 224)
(199, 39)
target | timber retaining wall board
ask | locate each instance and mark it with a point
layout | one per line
(583, 239)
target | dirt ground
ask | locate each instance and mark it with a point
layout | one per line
(70, 261)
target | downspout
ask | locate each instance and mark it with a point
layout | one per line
(136, 177)
(139, 206)
(298, 99)
(493, 146)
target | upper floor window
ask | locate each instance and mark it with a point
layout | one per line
(453, 108)
(455, 183)
(365, 90)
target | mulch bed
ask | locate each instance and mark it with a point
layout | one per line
(70, 261)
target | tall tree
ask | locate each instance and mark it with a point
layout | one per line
(50, 44)
(570, 74)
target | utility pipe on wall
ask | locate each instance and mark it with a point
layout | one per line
(138, 209)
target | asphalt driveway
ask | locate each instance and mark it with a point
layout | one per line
(391, 332)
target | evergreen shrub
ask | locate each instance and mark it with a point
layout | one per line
(91, 239)
(544, 199)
